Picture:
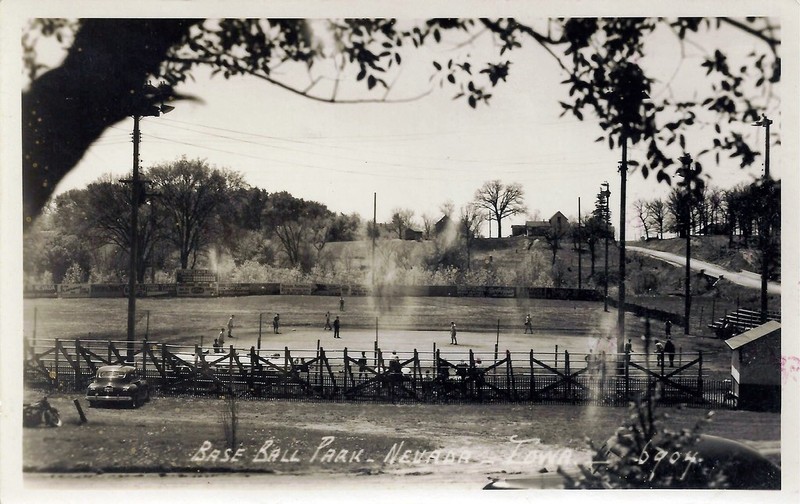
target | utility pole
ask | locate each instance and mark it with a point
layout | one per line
(580, 243)
(764, 228)
(374, 231)
(686, 161)
(606, 193)
(135, 191)
(142, 107)
(623, 174)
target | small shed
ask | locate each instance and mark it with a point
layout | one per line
(756, 367)
(412, 234)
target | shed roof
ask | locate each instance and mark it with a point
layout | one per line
(753, 334)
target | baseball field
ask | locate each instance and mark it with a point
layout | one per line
(317, 445)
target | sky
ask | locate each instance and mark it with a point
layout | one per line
(420, 154)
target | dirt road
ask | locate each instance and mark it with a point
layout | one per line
(743, 278)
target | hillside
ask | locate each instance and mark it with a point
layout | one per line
(649, 281)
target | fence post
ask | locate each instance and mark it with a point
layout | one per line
(566, 372)
(417, 371)
(145, 344)
(533, 378)
(58, 348)
(230, 371)
(627, 375)
(556, 355)
(510, 371)
(347, 370)
(77, 364)
(700, 372)
(164, 358)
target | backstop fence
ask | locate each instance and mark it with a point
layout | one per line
(372, 375)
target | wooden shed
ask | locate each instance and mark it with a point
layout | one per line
(756, 367)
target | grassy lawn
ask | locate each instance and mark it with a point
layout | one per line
(404, 324)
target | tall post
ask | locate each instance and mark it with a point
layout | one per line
(623, 180)
(686, 161)
(258, 343)
(374, 231)
(580, 243)
(606, 218)
(764, 231)
(134, 240)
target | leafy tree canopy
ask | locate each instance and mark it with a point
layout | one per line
(68, 108)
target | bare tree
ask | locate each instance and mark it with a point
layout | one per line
(428, 223)
(643, 214)
(469, 224)
(447, 208)
(401, 220)
(501, 200)
(657, 210)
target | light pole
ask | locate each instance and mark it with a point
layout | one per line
(764, 231)
(142, 108)
(686, 173)
(606, 194)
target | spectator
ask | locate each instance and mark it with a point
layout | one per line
(221, 337)
(276, 323)
(394, 363)
(336, 324)
(341, 303)
(668, 328)
(327, 326)
(230, 327)
(659, 353)
(628, 351)
(217, 346)
(669, 348)
(453, 339)
(362, 365)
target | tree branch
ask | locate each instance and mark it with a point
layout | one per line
(304, 93)
(772, 42)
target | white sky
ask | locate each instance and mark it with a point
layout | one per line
(420, 154)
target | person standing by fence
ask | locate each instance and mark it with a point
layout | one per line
(221, 337)
(628, 351)
(230, 327)
(659, 354)
(669, 348)
(336, 325)
(276, 323)
(453, 339)
(327, 326)
(362, 365)
(668, 328)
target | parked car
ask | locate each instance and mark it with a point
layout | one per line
(118, 383)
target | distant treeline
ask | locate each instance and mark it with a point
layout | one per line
(221, 289)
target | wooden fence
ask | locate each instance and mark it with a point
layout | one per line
(344, 375)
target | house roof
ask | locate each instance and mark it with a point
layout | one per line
(753, 334)
(531, 223)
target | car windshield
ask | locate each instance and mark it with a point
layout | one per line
(112, 375)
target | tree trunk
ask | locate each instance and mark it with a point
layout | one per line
(68, 108)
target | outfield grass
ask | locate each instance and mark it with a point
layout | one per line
(403, 324)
